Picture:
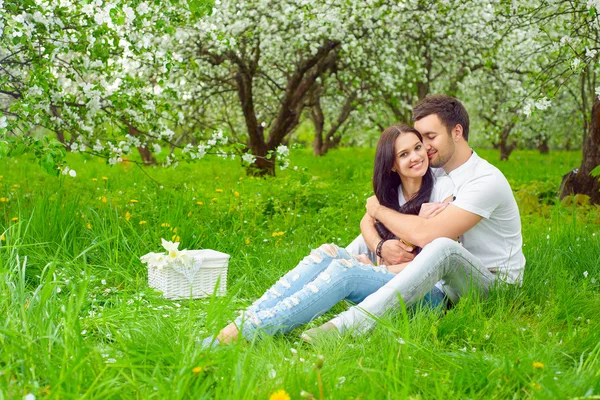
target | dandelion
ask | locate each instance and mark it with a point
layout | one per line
(175, 238)
(280, 395)
(199, 203)
(104, 178)
(236, 194)
(133, 201)
(102, 198)
(127, 216)
(88, 225)
(2, 238)
(143, 222)
(3, 200)
(219, 190)
(15, 219)
(190, 214)
(165, 225)
(247, 241)
(213, 199)
(538, 365)
(94, 179)
(535, 385)
(197, 370)
(175, 230)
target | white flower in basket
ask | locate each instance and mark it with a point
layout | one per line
(186, 273)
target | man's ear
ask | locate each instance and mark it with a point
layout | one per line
(457, 132)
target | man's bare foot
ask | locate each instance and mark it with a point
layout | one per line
(228, 334)
(310, 335)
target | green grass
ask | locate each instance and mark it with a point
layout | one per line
(77, 319)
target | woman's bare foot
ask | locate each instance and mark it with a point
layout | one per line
(228, 334)
(310, 335)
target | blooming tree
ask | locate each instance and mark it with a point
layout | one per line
(95, 73)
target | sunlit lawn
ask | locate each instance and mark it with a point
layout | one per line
(77, 319)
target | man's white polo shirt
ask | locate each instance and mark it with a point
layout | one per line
(496, 240)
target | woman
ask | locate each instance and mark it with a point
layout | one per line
(330, 274)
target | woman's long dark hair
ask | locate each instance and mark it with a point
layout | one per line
(387, 182)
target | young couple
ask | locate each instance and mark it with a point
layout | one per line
(409, 230)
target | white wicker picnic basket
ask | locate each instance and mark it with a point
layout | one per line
(198, 274)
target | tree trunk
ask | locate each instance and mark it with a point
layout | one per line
(579, 181)
(318, 120)
(60, 134)
(543, 146)
(333, 137)
(145, 154)
(505, 147)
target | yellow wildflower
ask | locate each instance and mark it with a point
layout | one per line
(102, 198)
(236, 194)
(535, 385)
(175, 230)
(82, 215)
(199, 203)
(2, 238)
(219, 190)
(3, 200)
(94, 179)
(197, 370)
(176, 238)
(247, 241)
(213, 199)
(133, 201)
(274, 234)
(15, 186)
(538, 365)
(88, 225)
(280, 233)
(280, 395)
(165, 225)
(143, 222)
(15, 219)
(127, 216)
(190, 214)
(104, 178)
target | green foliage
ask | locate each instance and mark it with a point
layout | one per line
(78, 319)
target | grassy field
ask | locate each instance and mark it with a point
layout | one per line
(77, 319)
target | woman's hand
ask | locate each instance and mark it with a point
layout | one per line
(363, 259)
(396, 268)
(372, 206)
(430, 210)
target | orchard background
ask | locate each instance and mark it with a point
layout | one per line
(264, 116)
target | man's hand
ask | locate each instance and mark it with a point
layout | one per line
(430, 210)
(396, 252)
(372, 206)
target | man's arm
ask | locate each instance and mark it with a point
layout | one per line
(392, 251)
(451, 223)
(369, 233)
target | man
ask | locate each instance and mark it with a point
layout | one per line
(484, 217)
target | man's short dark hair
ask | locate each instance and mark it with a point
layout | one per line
(448, 109)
